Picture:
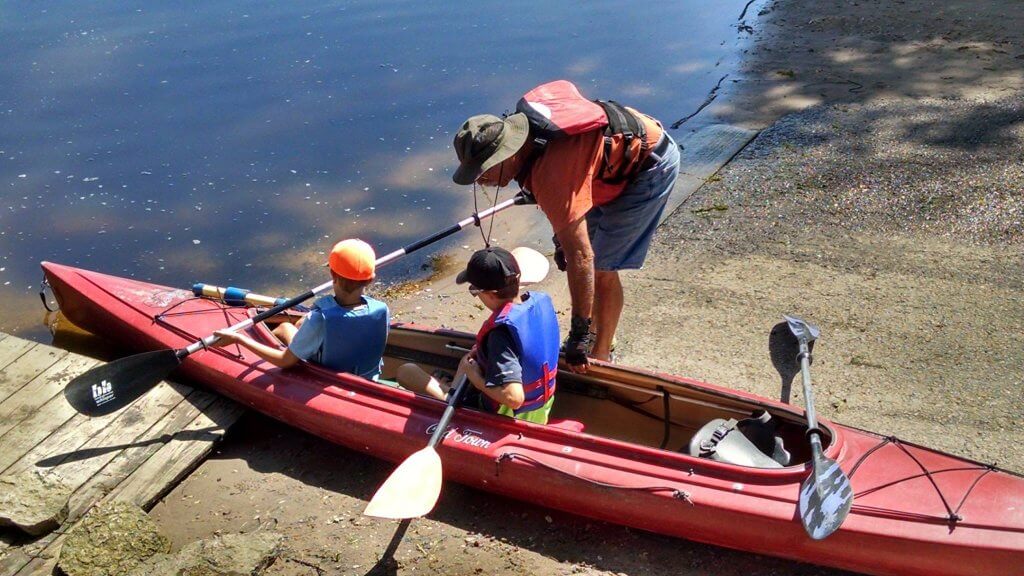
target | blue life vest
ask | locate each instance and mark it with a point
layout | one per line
(534, 328)
(355, 337)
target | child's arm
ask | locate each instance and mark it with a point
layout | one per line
(283, 358)
(509, 394)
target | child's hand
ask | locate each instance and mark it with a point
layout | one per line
(226, 337)
(469, 366)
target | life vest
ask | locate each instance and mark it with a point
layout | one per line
(355, 337)
(534, 329)
(558, 110)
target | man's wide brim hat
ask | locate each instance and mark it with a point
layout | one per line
(485, 141)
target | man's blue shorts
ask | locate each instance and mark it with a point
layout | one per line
(621, 230)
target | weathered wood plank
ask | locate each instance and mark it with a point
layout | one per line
(24, 437)
(174, 461)
(41, 388)
(79, 435)
(173, 428)
(11, 350)
(150, 481)
(83, 432)
(12, 347)
(703, 153)
(15, 560)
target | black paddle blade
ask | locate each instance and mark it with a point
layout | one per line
(114, 385)
(825, 498)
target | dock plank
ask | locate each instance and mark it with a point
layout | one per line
(136, 454)
(147, 484)
(175, 460)
(172, 428)
(39, 425)
(11, 348)
(39, 389)
(82, 431)
(12, 369)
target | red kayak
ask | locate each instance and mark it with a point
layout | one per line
(652, 451)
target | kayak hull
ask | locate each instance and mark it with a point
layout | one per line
(916, 510)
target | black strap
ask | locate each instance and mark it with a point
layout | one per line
(710, 444)
(625, 123)
(665, 404)
(539, 145)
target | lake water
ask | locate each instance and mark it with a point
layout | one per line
(233, 142)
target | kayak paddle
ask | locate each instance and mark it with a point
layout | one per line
(112, 386)
(826, 495)
(533, 267)
(413, 488)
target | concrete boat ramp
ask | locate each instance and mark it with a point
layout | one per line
(55, 464)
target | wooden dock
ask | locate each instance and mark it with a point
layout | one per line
(136, 454)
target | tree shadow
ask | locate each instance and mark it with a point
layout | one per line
(805, 53)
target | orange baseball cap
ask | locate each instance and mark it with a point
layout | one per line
(353, 259)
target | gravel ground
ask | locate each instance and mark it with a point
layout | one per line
(950, 168)
(896, 225)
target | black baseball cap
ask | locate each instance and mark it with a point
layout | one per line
(491, 268)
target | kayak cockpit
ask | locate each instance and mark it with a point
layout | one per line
(651, 410)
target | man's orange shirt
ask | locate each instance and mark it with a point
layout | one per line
(564, 179)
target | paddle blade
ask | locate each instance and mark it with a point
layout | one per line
(533, 266)
(112, 386)
(825, 498)
(411, 490)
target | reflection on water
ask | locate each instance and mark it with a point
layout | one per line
(231, 142)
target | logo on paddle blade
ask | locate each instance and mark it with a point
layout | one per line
(102, 392)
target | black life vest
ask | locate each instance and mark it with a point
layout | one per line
(558, 110)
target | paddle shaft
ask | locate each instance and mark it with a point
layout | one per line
(383, 260)
(813, 432)
(453, 401)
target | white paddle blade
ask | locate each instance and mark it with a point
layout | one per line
(825, 499)
(411, 490)
(533, 266)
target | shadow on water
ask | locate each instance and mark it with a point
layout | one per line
(269, 447)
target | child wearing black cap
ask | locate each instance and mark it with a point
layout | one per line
(513, 364)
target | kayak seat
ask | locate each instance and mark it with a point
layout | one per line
(749, 442)
(564, 424)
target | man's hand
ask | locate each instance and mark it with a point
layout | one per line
(559, 254)
(578, 345)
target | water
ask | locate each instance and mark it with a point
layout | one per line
(233, 142)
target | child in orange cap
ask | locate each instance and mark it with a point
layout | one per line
(345, 332)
